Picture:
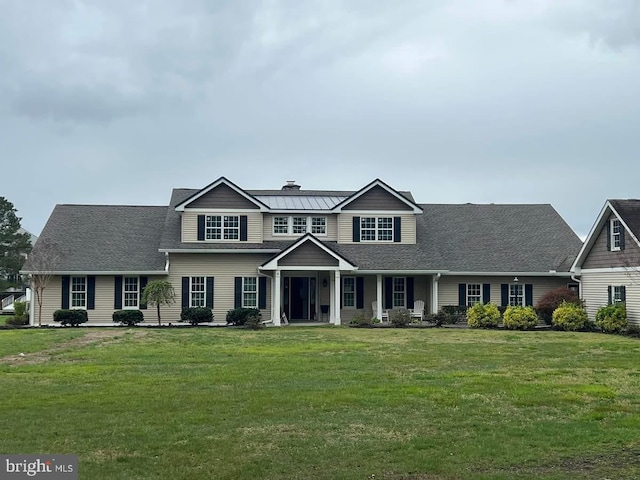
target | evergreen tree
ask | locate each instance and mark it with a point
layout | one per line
(13, 244)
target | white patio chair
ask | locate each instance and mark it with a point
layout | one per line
(418, 310)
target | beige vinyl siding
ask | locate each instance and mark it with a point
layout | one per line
(595, 295)
(448, 287)
(224, 268)
(332, 227)
(104, 301)
(408, 228)
(190, 226)
(601, 257)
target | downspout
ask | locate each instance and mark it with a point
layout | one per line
(166, 263)
(579, 282)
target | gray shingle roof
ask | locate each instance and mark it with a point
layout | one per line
(93, 238)
(629, 211)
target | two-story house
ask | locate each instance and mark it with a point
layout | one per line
(609, 262)
(310, 255)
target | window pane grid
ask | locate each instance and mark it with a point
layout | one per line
(281, 225)
(349, 292)
(249, 292)
(319, 225)
(197, 292)
(376, 229)
(299, 225)
(78, 292)
(231, 227)
(130, 291)
(398, 292)
(213, 228)
(516, 296)
(474, 294)
(615, 234)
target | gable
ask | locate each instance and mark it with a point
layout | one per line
(600, 256)
(308, 254)
(222, 197)
(377, 198)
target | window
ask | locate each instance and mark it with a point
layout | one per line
(280, 225)
(197, 292)
(378, 229)
(130, 293)
(78, 292)
(574, 287)
(399, 292)
(474, 294)
(249, 292)
(318, 225)
(616, 229)
(349, 292)
(222, 227)
(618, 294)
(516, 294)
(299, 225)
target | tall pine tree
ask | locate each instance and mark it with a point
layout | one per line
(13, 244)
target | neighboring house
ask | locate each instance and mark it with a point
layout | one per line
(18, 293)
(609, 262)
(312, 255)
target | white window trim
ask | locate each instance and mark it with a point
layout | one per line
(355, 294)
(204, 291)
(308, 229)
(376, 229)
(613, 223)
(522, 297)
(124, 293)
(616, 298)
(222, 228)
(479, 296)
(393, 292)
(85, 291)
(245, 291)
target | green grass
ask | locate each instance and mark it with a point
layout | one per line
(327, 403)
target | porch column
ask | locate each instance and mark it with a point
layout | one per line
(378, 314)
(275, 299)
(434, 293)
(336, 296)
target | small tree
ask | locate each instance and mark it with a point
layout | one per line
(552, 300)
(40, 266)
(159, 292)
(14, 246)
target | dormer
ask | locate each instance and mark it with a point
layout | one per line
(377, 214)
(221, 212)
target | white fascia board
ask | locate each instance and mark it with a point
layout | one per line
(550, 273)
(342, 263)
(591, 237)
(102, 272)
(403, 272)
(300, 212)
(223, 210)
(342, 268)
(377, 183)
(373, 213)
(631, 270)
(219, 250)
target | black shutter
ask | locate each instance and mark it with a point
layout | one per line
(91, 292)
(243, 228)
(528, 294)
(66, 280)
(462, 294)
(185, 292)
(209, 292)
(237, 292)
(388, 293)
(621, 237)
(623, 293)
(356, 229)
(409, 286)
(486, 293)
(608, 234)
(397, 229)
(262, 293)
(504, 293)
(609, 295)
(143, 285)
(200, 227)
(360, 292)
(117, 292)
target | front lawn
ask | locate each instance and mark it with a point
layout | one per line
(324, 402)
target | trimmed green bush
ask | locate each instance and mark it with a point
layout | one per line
(519, 318)
(196, 315)
(20, 309)
(552, 300)
(400, 318)
(128, 317)
(570, 317)
(483, 315)
(254, 322)
(17, 320)
(238, 316)
(361, 319)
(72, 317)
(612, 318)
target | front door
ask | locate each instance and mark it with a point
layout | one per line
(299, 298)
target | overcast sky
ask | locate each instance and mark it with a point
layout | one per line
(505, 101)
